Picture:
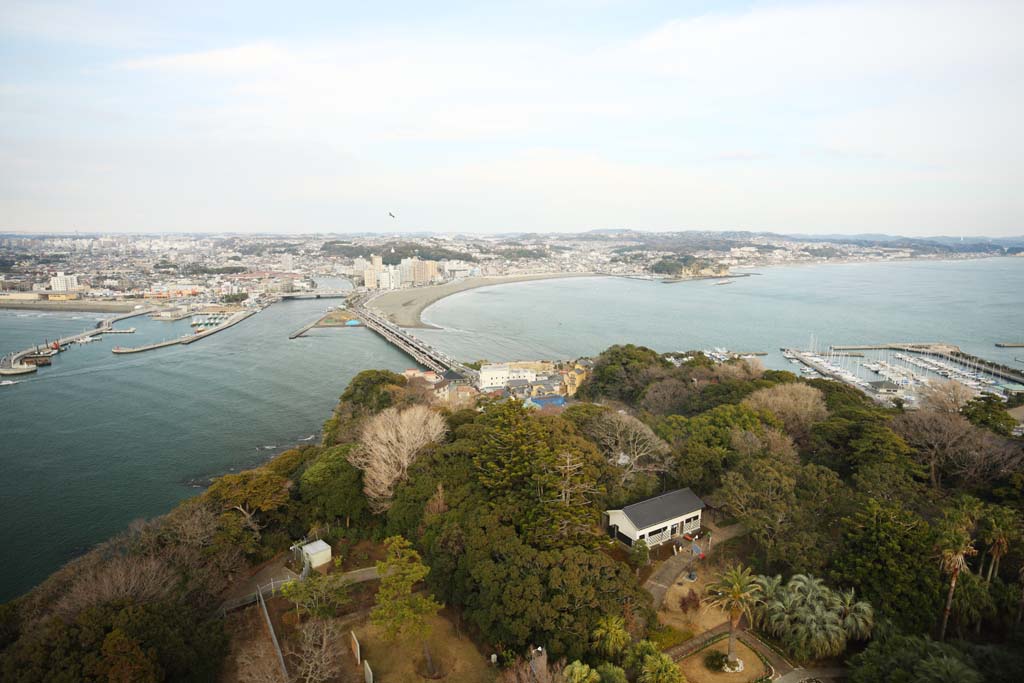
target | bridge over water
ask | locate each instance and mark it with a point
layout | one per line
(419, 350)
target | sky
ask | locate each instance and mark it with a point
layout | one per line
(566, 115)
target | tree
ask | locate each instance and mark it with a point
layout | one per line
(610, 637)
(911, 659)
(578, 672)
(319, 595)
(251, 492)
(880, 556)
(610, 673)
(998, 527)
(373, 390)
(629, 445)
(622, 373)
(944, 397)
(389, 444)
(319, 653)
(635, 656)
(810, 619)
(954, 547)
(659, 668)
(399, 610)
(736, 593)
(938, 439)
(989, 411)
(332, 487)
(797, 405)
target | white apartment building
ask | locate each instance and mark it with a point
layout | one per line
(496, 375)
(64, 283)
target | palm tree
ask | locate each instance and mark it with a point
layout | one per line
(771, 588)
(635, 656)
(954, 549)
(610, 637)
(856, 617)
(817, 633)
(998, 529)
(735, 592)
(659, 668)
(578, 672)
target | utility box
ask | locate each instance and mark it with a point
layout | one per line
(317, 553)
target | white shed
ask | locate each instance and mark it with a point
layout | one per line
(318, 553)
(657, 519)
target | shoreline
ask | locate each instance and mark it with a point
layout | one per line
(405, 306)
(71, 306)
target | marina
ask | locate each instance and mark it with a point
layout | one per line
(223, 322)
(901, 370)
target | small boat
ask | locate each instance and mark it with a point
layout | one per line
(8, 382)
(724, 282)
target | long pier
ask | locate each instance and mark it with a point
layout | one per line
(188, 339)
(945, 351)
(13, 365)
(417, 349)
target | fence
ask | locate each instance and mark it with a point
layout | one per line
(273, 636)
(272, 588)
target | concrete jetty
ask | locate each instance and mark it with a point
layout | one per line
(14, 364)
(188, 339)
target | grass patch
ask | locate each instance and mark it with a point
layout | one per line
(665, 637)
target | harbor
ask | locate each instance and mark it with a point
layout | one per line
(222, 322)
(29, 360)
(898, 371)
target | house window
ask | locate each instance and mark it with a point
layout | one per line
(675, 528)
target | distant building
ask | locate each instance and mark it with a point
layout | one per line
(64, 283)
(376, 261)
(370, 278)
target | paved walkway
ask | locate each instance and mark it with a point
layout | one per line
(666, 574)
(780, 665)
(824, 675)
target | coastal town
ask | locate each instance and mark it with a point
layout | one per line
(114, 272)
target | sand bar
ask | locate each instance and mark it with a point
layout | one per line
(404, 306)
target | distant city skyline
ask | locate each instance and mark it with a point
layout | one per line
(563, 116)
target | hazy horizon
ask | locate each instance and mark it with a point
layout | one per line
(819, 118)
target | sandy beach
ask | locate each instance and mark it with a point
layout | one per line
(69, 306)
(404, 306)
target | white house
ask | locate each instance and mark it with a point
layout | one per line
(657, 519)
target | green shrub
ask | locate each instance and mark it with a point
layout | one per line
(715, 660)
(665, 637)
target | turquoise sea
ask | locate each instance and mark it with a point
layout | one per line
(98, 440)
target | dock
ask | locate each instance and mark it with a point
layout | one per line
(15, 363)
(188, 339)
(304, 329)
(1010, 345)
(946, 352)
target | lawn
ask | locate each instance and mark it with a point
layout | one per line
(695, 671)
(399, 662)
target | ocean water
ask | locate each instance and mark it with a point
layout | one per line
(97, 440)
(971, 303)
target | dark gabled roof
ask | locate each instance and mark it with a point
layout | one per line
(662, 508)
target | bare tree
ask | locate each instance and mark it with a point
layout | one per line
(318, 656)
(945, 397)
(771, 442)
(938, 439)
(132, 578)
(797, 405)
(389, 444)
(739, 369)
(669, 396)
(629, 444)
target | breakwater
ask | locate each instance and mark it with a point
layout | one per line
(187, 339)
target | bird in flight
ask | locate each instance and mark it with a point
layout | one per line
(391, 214)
